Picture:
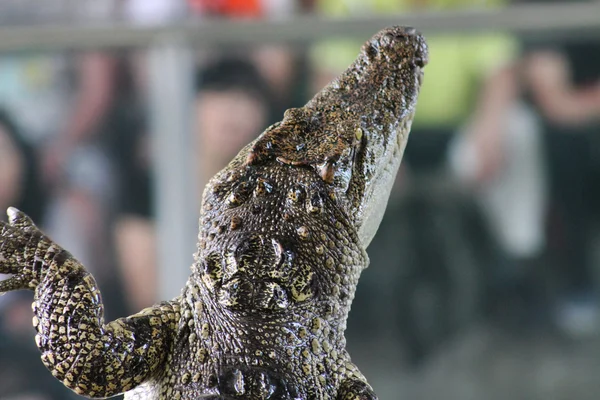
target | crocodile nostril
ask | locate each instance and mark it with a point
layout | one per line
(398, 32)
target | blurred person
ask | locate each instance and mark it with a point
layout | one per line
(88, 167)
(101, 169)
(77, 167)
(284, 68)
(564, 87)
(530, 145)
(20, 187)
(499, 155)
(233, 105)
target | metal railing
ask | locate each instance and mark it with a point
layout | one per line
(569, 18)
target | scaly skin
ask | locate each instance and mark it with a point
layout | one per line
(283, 233)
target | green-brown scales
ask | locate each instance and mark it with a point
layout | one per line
(283, 233)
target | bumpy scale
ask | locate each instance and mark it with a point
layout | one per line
(283, 233)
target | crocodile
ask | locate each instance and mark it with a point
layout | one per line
(283, 235)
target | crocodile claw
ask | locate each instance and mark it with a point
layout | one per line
(18, 243)
(19, 219)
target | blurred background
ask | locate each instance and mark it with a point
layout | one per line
(483, 281)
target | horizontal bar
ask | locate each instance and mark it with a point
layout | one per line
(553, 19)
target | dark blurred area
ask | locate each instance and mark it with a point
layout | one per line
(483, 281)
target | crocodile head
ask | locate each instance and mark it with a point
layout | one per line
(353, 133)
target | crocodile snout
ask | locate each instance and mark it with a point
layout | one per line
(398, 43)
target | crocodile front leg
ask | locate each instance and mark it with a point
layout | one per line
(91, 358)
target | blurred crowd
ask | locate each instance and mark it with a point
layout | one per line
(494, 213)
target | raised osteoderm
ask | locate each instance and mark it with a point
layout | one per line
(283, 233)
